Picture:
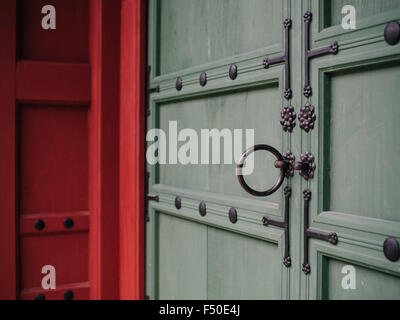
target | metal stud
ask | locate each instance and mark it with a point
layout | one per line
(202, 208)
(179, 84)
(39, 224)
(203, 79)
(233, 71)
(68, 223)
(178, 203)
(391, 249)
(68, 295)
(40, 296)
(233, 215)
(392, 33)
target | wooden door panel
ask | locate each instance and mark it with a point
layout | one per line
(243, 267)
(256, 109)
(54, 159)
(370, 283)
(354, 140)
(187, 38)
(182, 267)
(215, 30)
(362, 140)
(69, 42)
(53, 96)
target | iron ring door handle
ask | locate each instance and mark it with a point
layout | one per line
(280, 163)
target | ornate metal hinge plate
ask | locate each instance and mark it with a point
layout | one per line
(310, 54)
(308, 234)
(287, 261)
(149, 91)
(287, 24)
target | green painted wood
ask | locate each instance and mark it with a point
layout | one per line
(195, 32)
(354, 191)
(355, 142)
(369, 283)
(182, 259)
(364, 8)
(242, 267)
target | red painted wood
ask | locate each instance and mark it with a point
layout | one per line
(68, 43)
(54, 222)
(53, 82)
(132, 137)
(53, 148)
(8, 266)
(53, 94)
(81, 292)
(103, 150)
(66, 251)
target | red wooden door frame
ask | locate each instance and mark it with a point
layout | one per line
(132, 148)
(8, 239)
(116, 155)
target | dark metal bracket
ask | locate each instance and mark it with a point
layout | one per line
(149, 91)
(310, 54)
(308, 234)
(287, 261)
(287, 24)
(148, 197)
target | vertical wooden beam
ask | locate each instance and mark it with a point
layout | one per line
(103, 149)
(132, 137)
(8, 251)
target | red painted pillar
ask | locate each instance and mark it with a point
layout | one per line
(132, 137)
(104, 149)
(8, 250)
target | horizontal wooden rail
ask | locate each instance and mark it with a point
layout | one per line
(53, 82)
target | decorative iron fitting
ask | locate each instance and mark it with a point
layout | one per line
(392, 33)
(233, 71)
(310, 54)
(203, 79)
(202, 208)
(149, 91)
(391, 249)
(332, 237)
(232, 215)
(178, 203)
(290, 158)
(288, 118)
(287, 24)
(307, 166)
(307, 117)
(287, 261)
(179, 84)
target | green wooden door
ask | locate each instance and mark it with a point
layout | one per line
(207, 254)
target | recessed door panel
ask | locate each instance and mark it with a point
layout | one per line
(193, 32)
(362, 142)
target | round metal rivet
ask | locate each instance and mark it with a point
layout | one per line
(40, 296)
(233, 215)
(68, 223)
(233, 71)
(68, 295)
(202, 208)
(392, 33)
(178, 203)
(179, 84)
(203, 79)
(391, 249)
(39, 224)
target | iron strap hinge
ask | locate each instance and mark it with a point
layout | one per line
(332, 237)
(149, 91)
(287, 261)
